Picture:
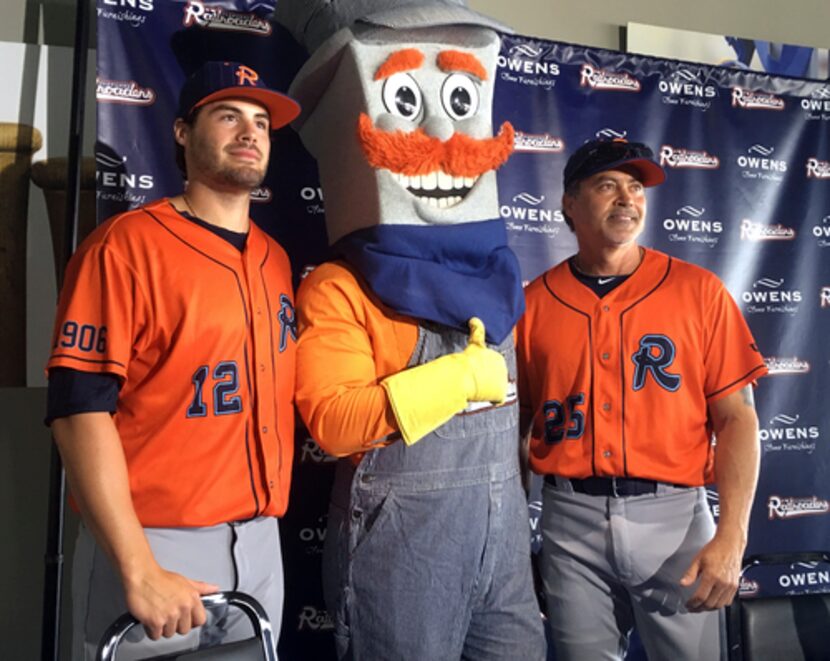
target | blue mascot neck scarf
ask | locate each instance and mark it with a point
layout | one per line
(444, 274)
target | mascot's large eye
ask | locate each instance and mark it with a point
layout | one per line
(402, 96)
(459, 94)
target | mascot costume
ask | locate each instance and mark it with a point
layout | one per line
(406, 364)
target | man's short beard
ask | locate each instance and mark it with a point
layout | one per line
(242, 177)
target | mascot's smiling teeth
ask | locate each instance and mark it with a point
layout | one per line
(438, 189)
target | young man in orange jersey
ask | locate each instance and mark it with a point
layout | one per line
(629, 362)
(171, 382)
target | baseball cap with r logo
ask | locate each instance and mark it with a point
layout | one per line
(214, 81)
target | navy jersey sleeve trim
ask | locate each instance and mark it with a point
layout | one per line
(746, 377)
(84, 360)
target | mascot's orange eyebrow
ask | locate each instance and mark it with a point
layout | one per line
(401, 60)
(456, 60)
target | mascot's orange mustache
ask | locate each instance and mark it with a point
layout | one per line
(417, 153)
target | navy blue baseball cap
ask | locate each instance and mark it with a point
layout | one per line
(603, 154)
(231, 80)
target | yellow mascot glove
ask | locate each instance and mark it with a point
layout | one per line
(426, 396)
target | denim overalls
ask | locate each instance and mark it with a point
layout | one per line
(427, 552)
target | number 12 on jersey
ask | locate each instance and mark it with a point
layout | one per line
(225, 385)
(564, 420)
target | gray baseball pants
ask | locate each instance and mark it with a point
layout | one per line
(610, 564)
(235, 556)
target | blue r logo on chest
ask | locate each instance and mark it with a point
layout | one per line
(288, 322)
(655, 355)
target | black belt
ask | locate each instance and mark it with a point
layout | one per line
(613, 487)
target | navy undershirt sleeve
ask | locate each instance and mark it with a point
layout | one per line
(72, 391)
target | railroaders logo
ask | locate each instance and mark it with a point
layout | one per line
(537, 143)
(310, 450)
(123, 91)
(529, 64)
(758, 163)
(784, 434)
(817, 169)
(824, 297)
(216, 17)
(752, 100)
(769, 297)
(600, 79)
(790, 507)
(314, 619)
(793, 365)
(132, 12)
(749, 587)
(689, 226)
(686, 88)
(678, 157)
(527, 214)
(751, 231)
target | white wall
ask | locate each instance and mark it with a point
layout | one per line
(597, 22)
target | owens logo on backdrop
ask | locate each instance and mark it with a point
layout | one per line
(818, 105)
(805, 577)
(753, 100)
(527, 213)
(758, 164)
(713, 500)
(534, 508)
(769, 297)
(314, 536)
(752, 231)
(537, 143)
(824, 297)
(123, 91)
(789, 507)
(607, 81)
(794, 365)
(690, 226)
(611, 134)
(784, 434)
(314, 196)
(314, 619)
(132, 12)
(261, 194)
(115, 184)
(817, 169)
(529, 64)
(822, 232)
(686, 88)
(679, 157)
(216, 17)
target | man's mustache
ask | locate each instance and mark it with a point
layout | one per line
(417, 153)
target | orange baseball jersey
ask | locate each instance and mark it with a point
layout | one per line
(619, 385)
(349, 342)
(202, 338)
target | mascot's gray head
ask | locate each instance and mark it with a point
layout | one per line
(397, 100)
